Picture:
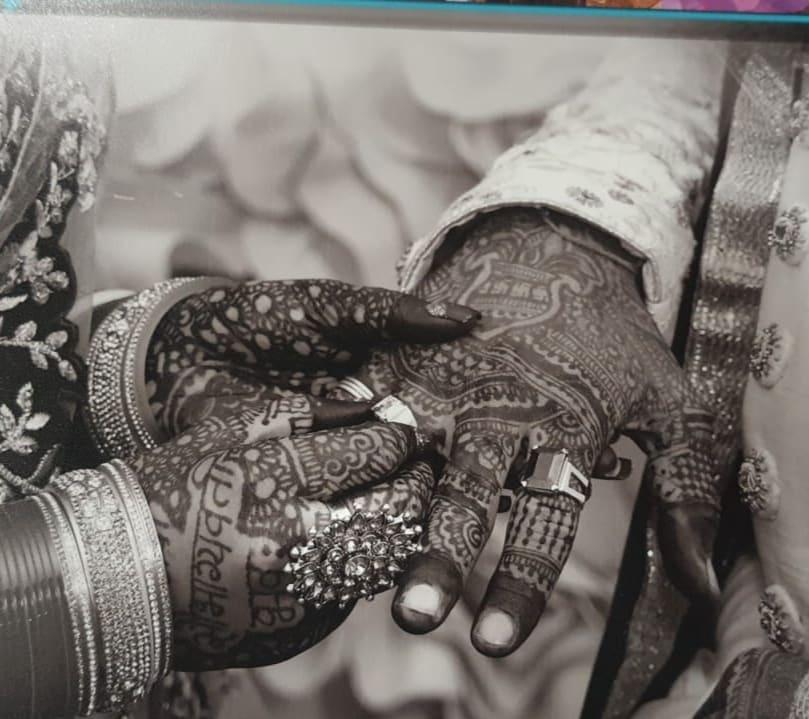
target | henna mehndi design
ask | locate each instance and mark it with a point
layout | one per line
(249, 472)
(229, 502)
(566, 355)
(298, 336)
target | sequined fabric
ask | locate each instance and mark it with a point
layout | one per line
(722, 330)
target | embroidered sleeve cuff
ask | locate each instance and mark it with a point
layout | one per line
(648, 227)
(630, 154)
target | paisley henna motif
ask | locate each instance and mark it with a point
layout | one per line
(565, 356)
(229, 504)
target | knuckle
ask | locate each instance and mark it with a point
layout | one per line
(533, 573)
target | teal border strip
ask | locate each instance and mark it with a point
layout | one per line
(543, 10)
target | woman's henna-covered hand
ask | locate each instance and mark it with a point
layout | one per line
(250, 468)
(288, 337)
(235, 492)
(565, 357)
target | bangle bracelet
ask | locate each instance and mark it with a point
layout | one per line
(119, 418)
(78, 598)
(39, 675)
(114, 585)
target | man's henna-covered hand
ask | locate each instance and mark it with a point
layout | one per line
(285, 336)
(235, 492)
(565, 357)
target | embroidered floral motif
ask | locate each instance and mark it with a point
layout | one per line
(780, 620)
(14, 430)
(40, 351)
(34, 269)
(584, 197)
(22, 265)
(16, 103)
(787, 237)
(758, 485)
(769, 355)
(80, 148)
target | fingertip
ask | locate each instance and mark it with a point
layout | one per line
(495, 633)
(417, 608)
(606, 464)
(414, 320)
(506, 620)
(427, 595)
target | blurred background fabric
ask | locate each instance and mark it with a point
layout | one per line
(281, 151)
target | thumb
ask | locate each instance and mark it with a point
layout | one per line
(686, 534)
(681, 469)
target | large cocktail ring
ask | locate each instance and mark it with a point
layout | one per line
(352, 558)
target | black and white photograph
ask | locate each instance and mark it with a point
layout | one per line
(507, 332)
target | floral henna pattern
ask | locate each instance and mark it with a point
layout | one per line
(229, 504)
(300, 336)
(566, 356)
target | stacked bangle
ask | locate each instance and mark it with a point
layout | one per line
(118, 410)
(84, 588)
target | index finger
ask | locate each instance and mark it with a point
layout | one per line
(313, 321)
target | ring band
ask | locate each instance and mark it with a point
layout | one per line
(554, 472)
(392, 410)
(359, 391)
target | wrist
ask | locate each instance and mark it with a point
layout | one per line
(118, 413)
(530, 237)
(585, 236)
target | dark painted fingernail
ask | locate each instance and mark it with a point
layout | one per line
(414, 320)
(340, 413)
(621, 470)
(495, 632)
(451, 311)
(606, 464)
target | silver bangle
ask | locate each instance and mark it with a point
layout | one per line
(79, 600)
(103, 515)
(148, 549)
(119, 424)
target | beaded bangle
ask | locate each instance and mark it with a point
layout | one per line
(115, 584)
(144, 535)
(118, 413)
